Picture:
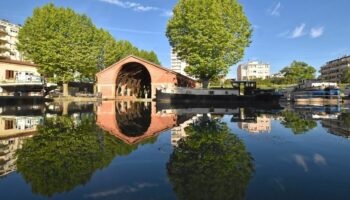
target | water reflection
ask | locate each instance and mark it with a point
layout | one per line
(210, 162)
(65, 153)
(133, 122)
(60, 150)
(338, 126)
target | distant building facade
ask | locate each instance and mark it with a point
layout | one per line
(333, 70)
(253, 70)
(262, 125)
(9, 40)
(178, 65)
(278, 75)
(12, 70)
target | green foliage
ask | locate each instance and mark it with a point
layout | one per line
(60, 41)
(210, 35)
(211, 163)
(298, 71)
(346, 76)
(67, 46)
(296, 123)
(150, 56)
(65, 154)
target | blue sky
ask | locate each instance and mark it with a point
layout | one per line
(314, 31)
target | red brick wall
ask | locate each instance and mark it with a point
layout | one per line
(106, 80)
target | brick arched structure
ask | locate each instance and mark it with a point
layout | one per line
(107, 119)
(160, 78)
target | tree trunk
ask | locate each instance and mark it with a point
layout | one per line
(65, 106)
(65, 90)
(205, 84)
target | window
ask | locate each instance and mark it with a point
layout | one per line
(9, 74)
(8, 124)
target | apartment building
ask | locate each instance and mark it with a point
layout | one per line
(333, 70)
(253, 70)
(178, 65)
(15, 71)
(9, 40)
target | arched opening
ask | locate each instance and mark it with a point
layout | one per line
(133, 81)
(133, 118)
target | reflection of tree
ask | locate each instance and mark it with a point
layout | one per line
(296, 123)
(211, 163)
(64, 155)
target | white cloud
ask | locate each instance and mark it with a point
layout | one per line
(124, 189)
(317, 32)
(301, 161)
(319, 159)
(298, 31)
(131, 5)
(275, 10)
(168, 13)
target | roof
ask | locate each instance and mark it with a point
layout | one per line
(148, 62)
(17, 62)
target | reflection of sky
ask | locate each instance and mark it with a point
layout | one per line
(313, 165)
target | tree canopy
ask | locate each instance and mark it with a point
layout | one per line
(298, 71)
(67, 46)
(298, 125)
(210, 163)
(346, 76)
(65, 154)
(210, 35)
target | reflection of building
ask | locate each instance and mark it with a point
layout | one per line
(13, 131)
(134, 122)
(8, 148)
(177, 133)
(11, 126)
(8, 41)
(333, 70)
(261, 125)
(252, 71)
(339, 126)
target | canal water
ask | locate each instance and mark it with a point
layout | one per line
(126, 150)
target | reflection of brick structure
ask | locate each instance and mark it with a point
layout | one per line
(109, 80)
(262, 125)
(107, 116)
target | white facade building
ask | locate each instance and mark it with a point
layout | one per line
(178, 65)
(253, 70)
(9, 40)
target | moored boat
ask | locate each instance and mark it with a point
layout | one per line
(249, 94)
(314, 91)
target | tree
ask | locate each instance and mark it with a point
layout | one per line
(210, 35)
(150, 56)
(68, 47)
(65, 154)
(211, 163)
(346, 76)
(298, 71)
(61, 42)
(296, 123)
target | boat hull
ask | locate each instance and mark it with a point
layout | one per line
(173, 97)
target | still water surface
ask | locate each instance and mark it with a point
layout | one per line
(124, 150)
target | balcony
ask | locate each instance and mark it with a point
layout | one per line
(3, 41)
(4, 57)
(3, 31)
(3, 49)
